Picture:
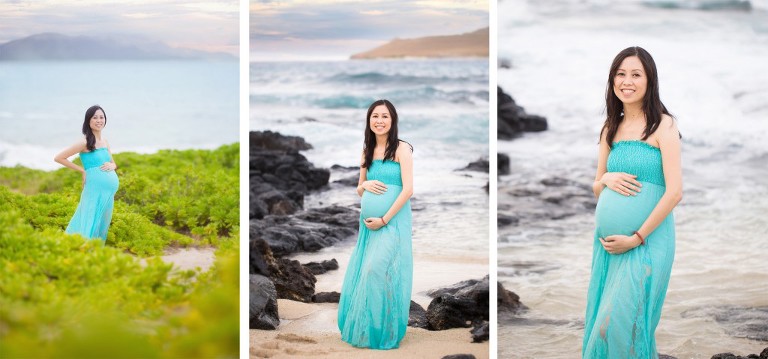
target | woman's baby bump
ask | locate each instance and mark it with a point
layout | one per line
(376, 205)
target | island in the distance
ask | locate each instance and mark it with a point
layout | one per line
(54, 46)
(471, 44)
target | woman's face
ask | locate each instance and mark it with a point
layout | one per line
(380, 121)
(98, 121)
(630, 81)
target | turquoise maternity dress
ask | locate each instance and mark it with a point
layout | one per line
(376, 294)
(94, 212)
(627, 290)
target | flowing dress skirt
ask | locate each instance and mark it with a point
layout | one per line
(626, 291)
(376, 294)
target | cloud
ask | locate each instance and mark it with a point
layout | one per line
(338, 28)
(141, 15)
(202, 25)
(374, 12)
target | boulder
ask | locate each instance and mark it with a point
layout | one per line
(481, 165)
(279, 176)
(417, 316)
(502, 163)
(507, 301)
(326, 297)
(262, 298)
(307, 231)
(512, 120)
(481, 332)
(268, 140)
(460, 305)
(322, 267)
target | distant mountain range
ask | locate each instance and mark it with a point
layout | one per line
(54, 46)
(471, 44)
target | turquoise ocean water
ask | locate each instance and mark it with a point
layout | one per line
(150, 105)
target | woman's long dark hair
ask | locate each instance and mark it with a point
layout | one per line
(90, 139)
(370, 137)
(652, 106)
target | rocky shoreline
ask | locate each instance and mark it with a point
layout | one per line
(280, 226)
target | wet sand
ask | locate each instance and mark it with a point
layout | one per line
(310, 330)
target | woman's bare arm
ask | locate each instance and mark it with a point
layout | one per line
(405, 157)
(111, 165)
(602, 164)
(63, 156)
(669, 143)
(363, 176)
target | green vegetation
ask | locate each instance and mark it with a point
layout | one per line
(64, 297)
(177, 198)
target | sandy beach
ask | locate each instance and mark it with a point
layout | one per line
(190, 258)
(310, 330)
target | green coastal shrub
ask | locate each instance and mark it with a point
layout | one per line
(61, 296)
(195, 192)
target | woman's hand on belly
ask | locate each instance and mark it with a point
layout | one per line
(374, 186)
(618, 244)
(108, 166)
(374, 223)
(621, 182)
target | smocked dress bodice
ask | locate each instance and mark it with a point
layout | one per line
(637, 158)
(385, 171)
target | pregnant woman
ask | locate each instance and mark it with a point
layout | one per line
(376, 294)
(638, 183)
(94, 212)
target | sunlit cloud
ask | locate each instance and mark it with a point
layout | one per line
(374, 12)
(200, 25)
(141, 15)
(339, 28)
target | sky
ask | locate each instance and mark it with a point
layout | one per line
(200, 25)
(336, 29)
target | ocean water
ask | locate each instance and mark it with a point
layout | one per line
(443, 111)
(150, 105)
(712, 78)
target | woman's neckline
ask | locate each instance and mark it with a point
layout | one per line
(94, 150)
(382, 160)
(638, 141)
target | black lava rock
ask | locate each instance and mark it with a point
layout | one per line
(262, 308)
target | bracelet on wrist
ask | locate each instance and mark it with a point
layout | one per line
(642, 240)
(383, 221)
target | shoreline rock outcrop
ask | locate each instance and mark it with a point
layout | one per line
(279, 178)
(512, 120)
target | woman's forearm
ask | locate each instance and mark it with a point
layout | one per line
(597, 188)
(67, 163)
(360, 190)
(666, 204)
(400, 201)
